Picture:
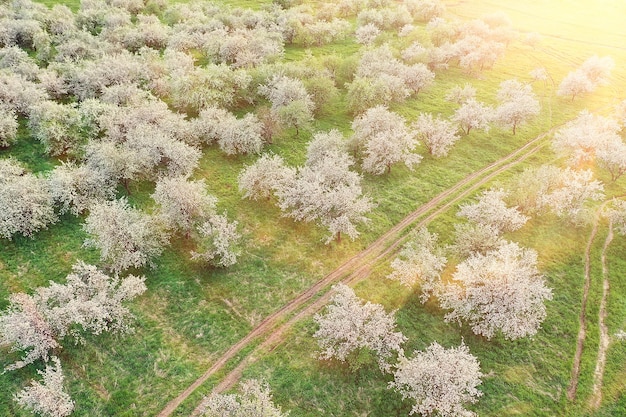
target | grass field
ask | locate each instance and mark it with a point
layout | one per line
(190, 314)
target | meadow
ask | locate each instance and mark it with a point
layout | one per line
(192, 314)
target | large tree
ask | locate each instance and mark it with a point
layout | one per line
(89, 301)
(126, 237)
(350, 327)
(26, 204)
(327, 192)
(437, 134)
(500, 291)
(384, 139)
(440, 381)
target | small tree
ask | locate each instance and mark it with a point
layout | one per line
(218, 240)
(597, 69)
(499, 291)
(491, 210)
(234, 136)
(612, 157)
(324, 145)
(48, 398)
(470, 238)
(617, 214)
(255, 400)
(420, 260)
(125, 236)
(439, 380)
(562, 191)
(296, 114)
(574, 84)
(518, 103)
(385, 140)
(24, 327)
(473, 115)
(26, 205)
(8, 127)
(350, 328)
(58, 127)
(438, 135)
(365, 93)
(570, 192)
(367, 34)
(460, 95)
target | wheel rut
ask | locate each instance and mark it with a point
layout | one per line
(353, 272)
(605, 340)
(273, 328)
(582, 321)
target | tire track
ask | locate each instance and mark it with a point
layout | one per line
(362, 261)
(603, 346)
(582, 322)
(277, 337)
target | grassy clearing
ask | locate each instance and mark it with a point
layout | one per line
(190, 315)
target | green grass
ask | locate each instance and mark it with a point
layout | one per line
(192, 314)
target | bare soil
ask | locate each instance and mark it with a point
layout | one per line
(598, 374)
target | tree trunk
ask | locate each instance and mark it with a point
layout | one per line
(338, 237)
(125, 184)
(514, 126)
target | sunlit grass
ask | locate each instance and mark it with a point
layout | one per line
(191, 314)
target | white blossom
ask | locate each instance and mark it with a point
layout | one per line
(125, 236)
(255, 400)
(348, 324)
(500, 291)
(491, 210)
(26, 204)
(437, 134)
(47, 398)
(440, 381)
(419, 261)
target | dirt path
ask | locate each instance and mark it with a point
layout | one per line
(360, 264)
(582, 322)
(603, 346)
(362, 271)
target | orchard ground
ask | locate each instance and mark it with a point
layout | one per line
(190, 314)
